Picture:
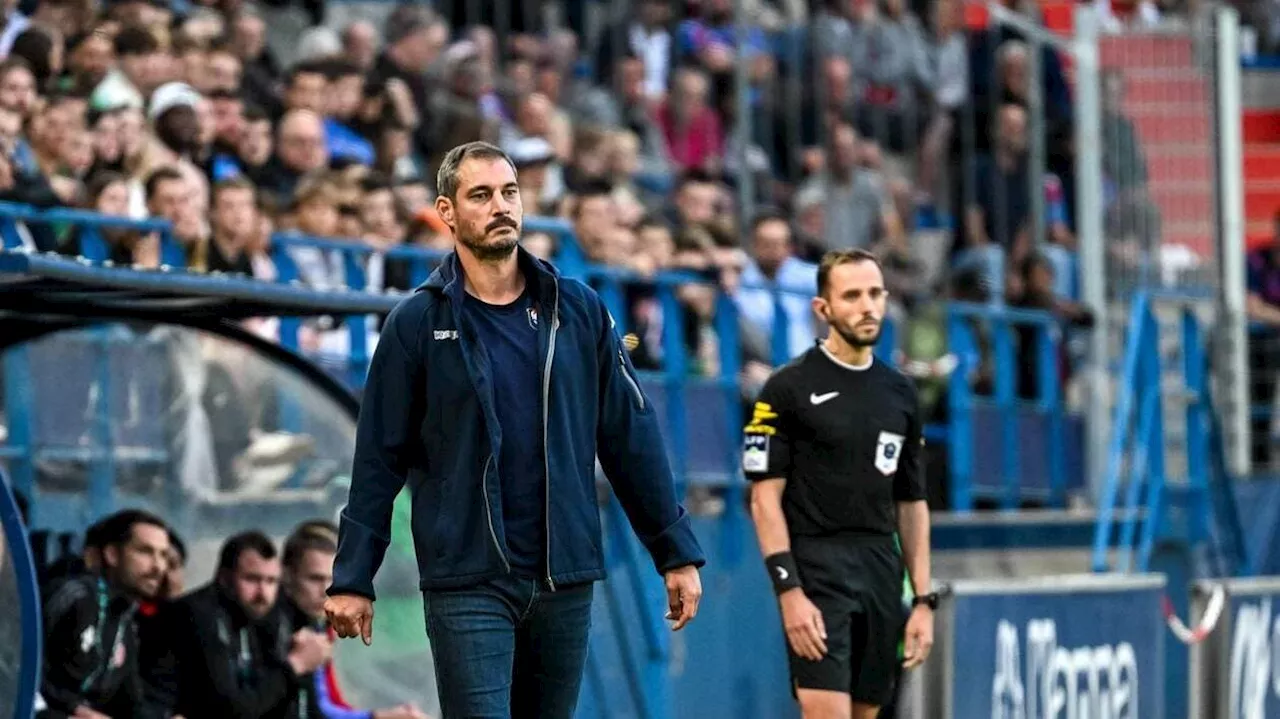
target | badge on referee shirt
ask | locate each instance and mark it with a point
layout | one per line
(888, 449)
(755, 453)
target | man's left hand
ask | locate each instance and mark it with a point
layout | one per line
(919, 637)
(684, 590)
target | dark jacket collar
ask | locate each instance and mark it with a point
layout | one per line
(447, 277)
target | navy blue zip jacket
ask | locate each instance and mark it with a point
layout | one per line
(427, 419)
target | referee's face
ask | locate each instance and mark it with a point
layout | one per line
(855, 302)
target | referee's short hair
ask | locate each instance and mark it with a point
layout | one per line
(835, 258)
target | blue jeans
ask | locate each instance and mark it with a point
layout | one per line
(509, 648)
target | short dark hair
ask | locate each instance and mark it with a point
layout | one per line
(255, 113)
(768, 214)
(834, 259)
(117, 529)
(238, 182)
(251, 541)
(375, 182)
(164, 174)
(308, 67)
(299, 544)
(447, 175)
(134, 40)
(690, 177)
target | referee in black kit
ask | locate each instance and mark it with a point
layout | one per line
(833, 451)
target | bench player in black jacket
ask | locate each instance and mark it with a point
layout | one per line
(90, 631)
(833, 450)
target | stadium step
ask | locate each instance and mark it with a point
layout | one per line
(1146, 51)
(1261, 126)
(1049, 529)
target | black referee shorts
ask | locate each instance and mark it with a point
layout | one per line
(857, 585)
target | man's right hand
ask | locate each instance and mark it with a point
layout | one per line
(350, 615)
(803, 623)
(309, 652)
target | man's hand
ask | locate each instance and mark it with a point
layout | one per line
(309, 652)
(684, 591)
(84, 712)
(404, 711)
(919, 637)
(803, 623)
(350, 615)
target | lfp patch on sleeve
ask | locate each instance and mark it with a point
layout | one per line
(755, 453)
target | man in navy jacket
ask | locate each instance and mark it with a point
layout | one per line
(491, 392)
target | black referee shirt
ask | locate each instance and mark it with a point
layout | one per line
(847, 440)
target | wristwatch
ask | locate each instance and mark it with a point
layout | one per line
(930, 600)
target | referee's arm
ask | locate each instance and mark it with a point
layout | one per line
(909, 491)
(766, 461)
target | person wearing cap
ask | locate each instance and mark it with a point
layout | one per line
(541, 180)
(492, 391)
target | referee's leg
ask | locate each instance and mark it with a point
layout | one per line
(473, 643)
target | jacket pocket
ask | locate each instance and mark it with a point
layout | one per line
(633, 385)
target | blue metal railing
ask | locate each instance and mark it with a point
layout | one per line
(1012, 412)
(1004, 444)
(1139, 505)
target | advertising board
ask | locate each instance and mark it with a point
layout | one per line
(1058, 648)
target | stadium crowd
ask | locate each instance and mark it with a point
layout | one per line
(125, 636)
(852, 130)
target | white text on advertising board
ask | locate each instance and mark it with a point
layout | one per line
(1098, 682)
(1255, 660)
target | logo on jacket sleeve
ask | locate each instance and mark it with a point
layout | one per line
(888, 449)
(445, 335)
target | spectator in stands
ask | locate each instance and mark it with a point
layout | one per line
(643, 35)
(175, 576)
(108, 193)
(251, 153)
(139, 60)
(17, 88)
(950, 59)
(1036, 290)
(308, 572)
(414, 37)
(300, 149)
(235, 223)
(999, 218)
(360, 44)
(345, 94)
(306, 88)
(774, 266)
(261, 70)
(228, 657)
(853, 191)
(91, 642)
(898, 68)
(904, 272)
(695, 139)
(1263, 307)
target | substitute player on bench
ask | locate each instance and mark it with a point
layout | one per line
(833, 450)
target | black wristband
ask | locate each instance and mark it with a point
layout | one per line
(783, 572)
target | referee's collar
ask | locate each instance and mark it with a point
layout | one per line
(856, 368)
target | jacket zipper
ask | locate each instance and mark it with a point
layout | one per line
(546, 402)
(488, 513)
(635, 386)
